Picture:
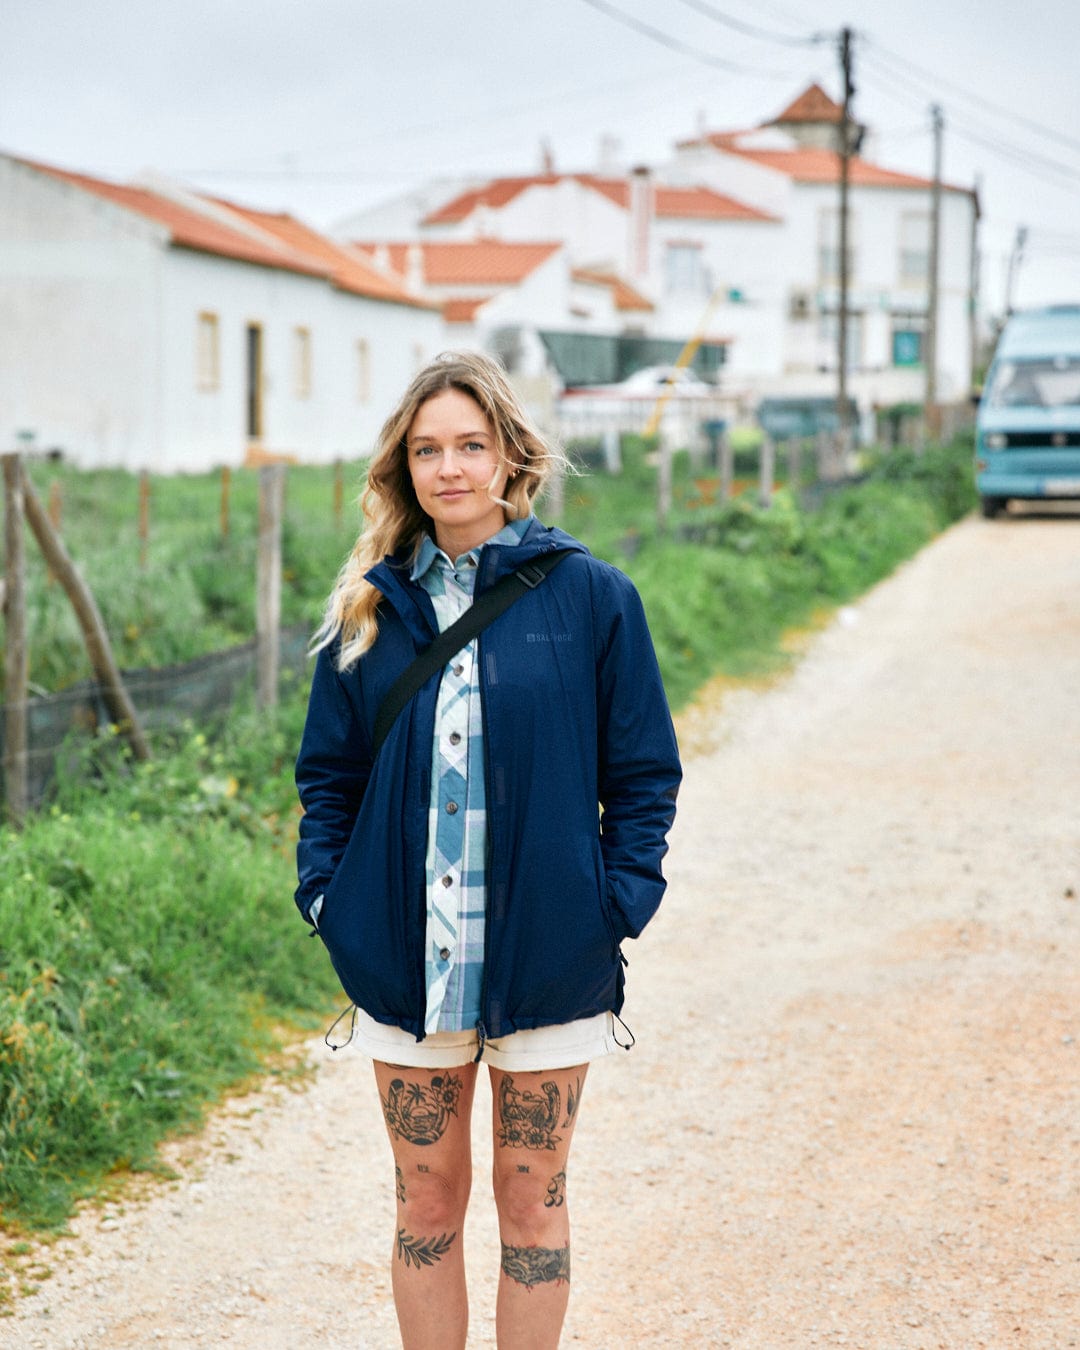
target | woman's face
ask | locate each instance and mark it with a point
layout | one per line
(456, 471)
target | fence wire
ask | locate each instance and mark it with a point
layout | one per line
(164, 697)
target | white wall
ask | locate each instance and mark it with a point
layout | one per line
(209, 427)
(98, 345)
(79, 295)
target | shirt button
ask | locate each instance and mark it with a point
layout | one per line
(444, 954)
(448, 880)
(451, 808)
(455, 738)
(459, 670)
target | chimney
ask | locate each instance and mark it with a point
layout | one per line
(608, 160)
(640, 213)
(547, 158)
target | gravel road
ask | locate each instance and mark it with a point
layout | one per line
(852, 1117)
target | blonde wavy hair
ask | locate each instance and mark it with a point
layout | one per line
(394, 519)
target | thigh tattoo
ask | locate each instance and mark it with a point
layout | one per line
(420, 1114)
(529, 1119)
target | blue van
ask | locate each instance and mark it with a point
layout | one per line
(1027, 433)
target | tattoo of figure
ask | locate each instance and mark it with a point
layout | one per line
(420, 1114)
(556, 1191)
(400, 1185)
(536, 1265)
(529, 1119)
(573, 1101)
(419, 1252)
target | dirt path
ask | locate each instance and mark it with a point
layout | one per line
(853, 1113)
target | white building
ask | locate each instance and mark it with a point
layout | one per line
(734, 242)
(788, 166)
(148, 327)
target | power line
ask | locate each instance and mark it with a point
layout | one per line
(1038, 165)
(673, 44)
(752, 30)
(940, 82)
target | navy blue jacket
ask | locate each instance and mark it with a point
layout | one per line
(581, 769)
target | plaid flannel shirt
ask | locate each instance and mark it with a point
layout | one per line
(457, 821)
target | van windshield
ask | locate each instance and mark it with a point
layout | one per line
(1048, 382)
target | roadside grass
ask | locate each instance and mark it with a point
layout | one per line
(150, 953)
(151, 956)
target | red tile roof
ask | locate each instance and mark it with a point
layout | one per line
(287, 244)
(188, 228)
(463, 309)
(811, 165)
(350, 271)
(812, 105)
(623, 294)
(472, 262)
(699, 203)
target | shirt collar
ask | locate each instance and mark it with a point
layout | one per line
(430, 553)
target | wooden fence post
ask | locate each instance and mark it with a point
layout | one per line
(268, 584)
(663, 479)
(727, 466)
(767, 470)
(339, 492)
(144, 516)
(95, 636)
(16, 651)
(226, 484)
(794, 448)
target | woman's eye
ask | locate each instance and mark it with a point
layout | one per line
(421, 451)
(476, 447)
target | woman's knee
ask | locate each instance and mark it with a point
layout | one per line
(532, 1197)
(433, 1198)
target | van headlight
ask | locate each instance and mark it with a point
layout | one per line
(996, 440)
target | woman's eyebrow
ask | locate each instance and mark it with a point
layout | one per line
(461, 436)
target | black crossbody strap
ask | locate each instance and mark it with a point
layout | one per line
(480, 613)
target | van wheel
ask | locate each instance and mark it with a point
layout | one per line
(992, 506)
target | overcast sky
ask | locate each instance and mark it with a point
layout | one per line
(324, 106)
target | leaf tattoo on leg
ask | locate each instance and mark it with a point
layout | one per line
(415, 1251)
(531, 1266)
(573, 1101)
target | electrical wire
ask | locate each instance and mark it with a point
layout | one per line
(1037, 165)
(675, 45)
(940, 82)
(752, 30)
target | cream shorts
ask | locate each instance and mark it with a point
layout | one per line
(557, 1047)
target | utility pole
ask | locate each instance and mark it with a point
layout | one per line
(845, 149)
(1015, 259)
(930, 354)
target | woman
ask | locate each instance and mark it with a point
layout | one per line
(470, 893)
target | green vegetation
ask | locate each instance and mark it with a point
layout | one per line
(150, 953)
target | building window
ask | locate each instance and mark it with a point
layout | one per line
(829, 246)
(908, 337)
(684, 269)
(207, 352)
(363, 371)
(914, 248)
(302, 362)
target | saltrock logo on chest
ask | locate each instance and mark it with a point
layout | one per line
(549, 637)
